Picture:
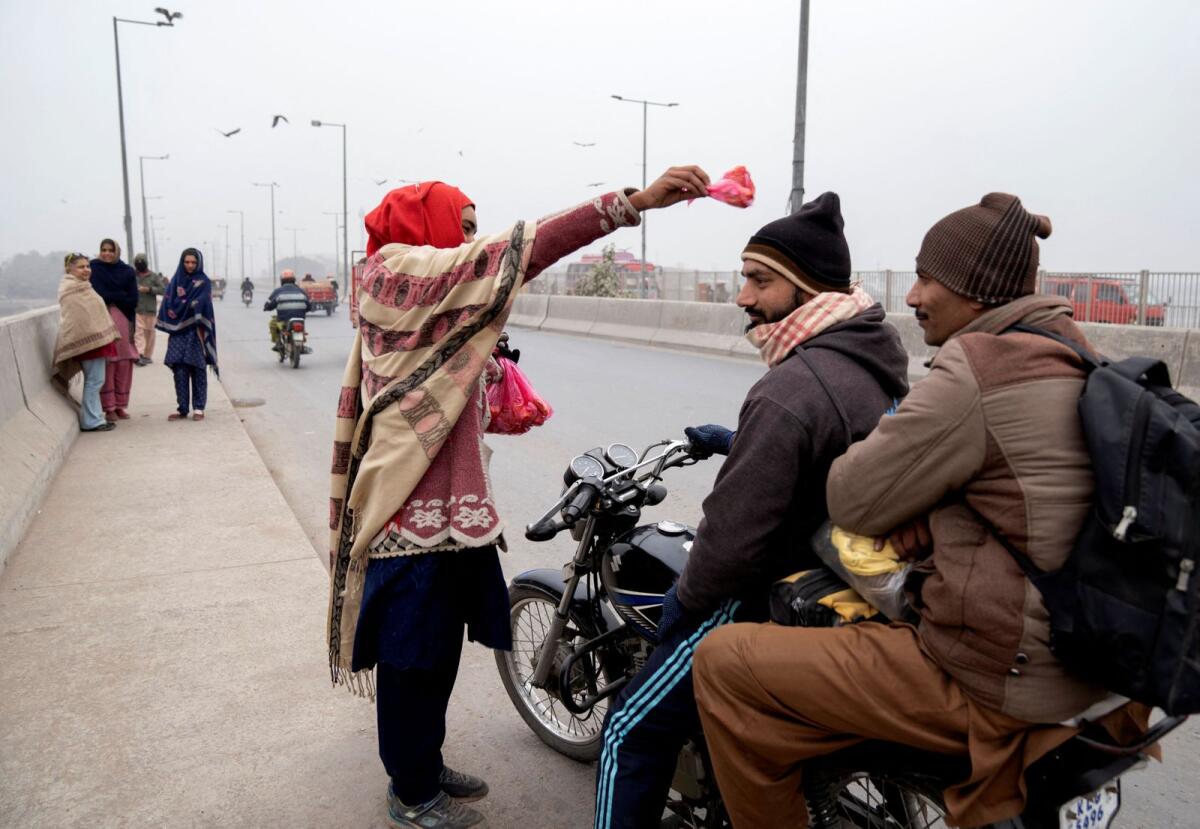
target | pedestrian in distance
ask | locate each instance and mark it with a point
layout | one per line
(86, 339)
(187, 317)
(414, 527)
(150, 287)
(117, 285)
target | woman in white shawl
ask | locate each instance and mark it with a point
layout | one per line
(86, 339)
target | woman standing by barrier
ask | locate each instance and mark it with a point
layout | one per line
(117, 285)
(86, 339)
(186, 315)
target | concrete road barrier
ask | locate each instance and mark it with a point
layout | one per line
(703, 326)
(529, 310)
(1188, 379)
(1120, 341)
(571, 314)
(632, 320)
(37, 423)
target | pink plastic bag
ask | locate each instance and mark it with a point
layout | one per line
(735, 188)
(515, 406)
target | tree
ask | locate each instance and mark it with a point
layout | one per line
(604, 279)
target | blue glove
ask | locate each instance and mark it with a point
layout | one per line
(672, 613)
(711, 438)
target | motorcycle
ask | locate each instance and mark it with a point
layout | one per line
(580, 635)
(292, 341)
(247, 297)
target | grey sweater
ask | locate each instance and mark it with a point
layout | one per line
(769, 496)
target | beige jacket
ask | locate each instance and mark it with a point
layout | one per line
(994, 426)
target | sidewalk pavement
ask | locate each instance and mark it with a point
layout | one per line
(161, 643)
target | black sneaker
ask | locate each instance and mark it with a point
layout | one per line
(439, 813)
(462, 786)
(103, 427)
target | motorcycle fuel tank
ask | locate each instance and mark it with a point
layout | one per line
(640, 566)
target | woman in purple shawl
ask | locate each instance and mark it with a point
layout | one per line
(117, 285)
(186, 315)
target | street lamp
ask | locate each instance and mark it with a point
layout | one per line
(241, 237)
(142, 183)
(645, 108)
(295, 230)
(337, 266)
(171, 18)
(225, 273)
(345, 237)
(154, 241)
(274, 261)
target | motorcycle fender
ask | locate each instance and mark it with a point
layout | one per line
(551, 583)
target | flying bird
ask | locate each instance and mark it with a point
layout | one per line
(230, 133)
(170, 15)
(595, 184)
(275, 121)
(460, 153)
(581, 144)
(381, 181)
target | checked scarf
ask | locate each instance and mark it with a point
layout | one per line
(776, 340)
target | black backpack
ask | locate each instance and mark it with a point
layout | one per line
(1125, 607)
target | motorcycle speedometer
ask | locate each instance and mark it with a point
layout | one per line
(621, 456)
(585, 466)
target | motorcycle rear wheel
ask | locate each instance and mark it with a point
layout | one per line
(867, 798)
(296, 352)
(579, 737)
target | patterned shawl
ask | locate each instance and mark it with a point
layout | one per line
(187, 303)
(84, 325)
(428, 321)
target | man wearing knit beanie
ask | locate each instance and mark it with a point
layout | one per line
(974, 259)
(988, 444)
(835, 368)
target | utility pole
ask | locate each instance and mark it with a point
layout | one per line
(645, 107)
(295, 249)
(274, 261)
(345, 202)
(241, 238)
(121, 118)
(142, 183)
(225, 273)
(797, 197)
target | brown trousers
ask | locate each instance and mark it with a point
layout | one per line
(771, 697)
(145, 334)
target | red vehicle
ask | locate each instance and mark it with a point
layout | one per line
(1110, 300)
(321, 295)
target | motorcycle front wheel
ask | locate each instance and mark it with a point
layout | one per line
(578, 736)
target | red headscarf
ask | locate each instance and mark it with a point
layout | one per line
(429, 213)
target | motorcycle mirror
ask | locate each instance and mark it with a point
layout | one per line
(655, 494)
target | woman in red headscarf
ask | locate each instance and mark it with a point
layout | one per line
(414, 525)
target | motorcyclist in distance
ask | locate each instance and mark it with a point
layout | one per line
(289, 302)
(247, 286)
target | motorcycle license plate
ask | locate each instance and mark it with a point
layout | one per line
(298, 337)
(1092, 811)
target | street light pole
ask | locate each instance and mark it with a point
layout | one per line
(645, 112)
(274, 261)
(345, 203)
(225, 273)
(241, 237)
(154, 241)
(337, 265)
(142, 184)
(121, 118)
(295, 249)
(797, 197)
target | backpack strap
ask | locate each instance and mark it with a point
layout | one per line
(837, 404)
(1132, 368)
(1032, 571)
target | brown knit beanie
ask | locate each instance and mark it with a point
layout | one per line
(986, 252)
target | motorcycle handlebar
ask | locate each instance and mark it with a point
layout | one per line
(582, 502)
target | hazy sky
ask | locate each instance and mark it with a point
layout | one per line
(1088, 110)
